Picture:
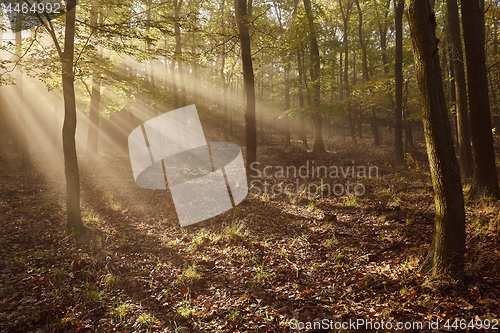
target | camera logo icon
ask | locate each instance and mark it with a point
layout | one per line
(205, 179)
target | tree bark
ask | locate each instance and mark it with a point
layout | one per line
(457, 60)
(249, 82)
(75, 224)
(346, 14)
(366, 76)
(300, 69)
(287, 105)
(398, 114)
(446, 256)
(178, 50)
(485, 180)
(319, 146)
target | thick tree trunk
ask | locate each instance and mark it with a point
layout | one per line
(398, 114)
(319, 146)
(485, 179)
(249, 82)
(457, 60)
(95, 98)
(446, 256)
(75, 224)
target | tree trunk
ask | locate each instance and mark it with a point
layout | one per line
(398, 114)
(300, 69)
(249, 82)
(95, 98)
(485, 180)
(457, 60)
(319, 146)
(446, 256)
(366, 76)
(376, 139)
(75, 224)
(383, 27)
(178, 49)
(287, 104)
(346, 13)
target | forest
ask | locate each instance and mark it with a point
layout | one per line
(249, 166)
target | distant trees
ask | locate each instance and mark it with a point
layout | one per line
(446, 256)
(485, 179)
(329, 62)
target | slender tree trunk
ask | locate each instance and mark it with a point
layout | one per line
(223, 74)
(346, 13)
(287, 104)
(446, 256)
(383, 27)
(249, 82)
(453, 95)
(376, 139)
(457, 60)
(319, 146)
(485, 180)
(300, 69)
(95, 98)
(362, 45)
(75, 224)
(366, 75)
(178, 49)
(398, 114)
(194, 67)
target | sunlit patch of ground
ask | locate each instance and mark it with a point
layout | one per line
(253, 269)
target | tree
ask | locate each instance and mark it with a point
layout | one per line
(398, 72)
(457, 62)
(446, 255)
(319, 146)
(346, 14)
(300, 69)
(66, 56)
(485, 180)
(249, 82)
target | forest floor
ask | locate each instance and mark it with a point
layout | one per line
(266, 265)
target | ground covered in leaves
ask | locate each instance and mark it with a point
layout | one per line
(272, 261)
